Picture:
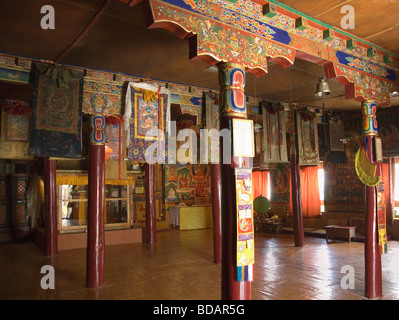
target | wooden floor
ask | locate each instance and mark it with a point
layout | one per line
(180, 266)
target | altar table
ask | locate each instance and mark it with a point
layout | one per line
(190, 217)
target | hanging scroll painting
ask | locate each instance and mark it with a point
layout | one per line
(57, 114)
(17, 128)
(308, 141)
(245, 230)
(148, 115)
(274, 133)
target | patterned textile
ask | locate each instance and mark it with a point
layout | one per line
(145, 112)
(101, 95)
(56, 117)
(245, 230)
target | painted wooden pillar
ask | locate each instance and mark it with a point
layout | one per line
(150, 208)
(299, 236)
(373, 272)
(96, 204)
(50, 191)
(216, 211)
(232, 105)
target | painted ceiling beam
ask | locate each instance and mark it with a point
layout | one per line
(251, 34)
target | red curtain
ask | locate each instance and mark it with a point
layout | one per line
(260, 180)
(310, 191)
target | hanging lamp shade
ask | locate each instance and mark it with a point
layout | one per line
(322, 87)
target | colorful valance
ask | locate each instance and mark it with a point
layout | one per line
(101, 94)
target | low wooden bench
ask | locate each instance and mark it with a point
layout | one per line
(341, 232)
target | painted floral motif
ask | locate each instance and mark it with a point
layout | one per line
(247, 15)
(226, 43)
(365, 86)
(366, 66)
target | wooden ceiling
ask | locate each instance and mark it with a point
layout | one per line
(119, 42)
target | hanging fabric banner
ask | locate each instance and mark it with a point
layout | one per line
(381, 218)
(57, 113)
(275, 144)
(147, 111)
(308, 140)
(245, 230)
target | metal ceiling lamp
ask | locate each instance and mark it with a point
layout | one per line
(323, 90)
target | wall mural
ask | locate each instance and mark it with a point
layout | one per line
(189, 184)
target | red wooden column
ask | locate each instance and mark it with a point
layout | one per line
(299, 236)
(150, 217)
(232, 105)
(96, 204)
(373, 272)
(216, 211)
(50, 191)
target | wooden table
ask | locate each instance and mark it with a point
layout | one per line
(342, 232)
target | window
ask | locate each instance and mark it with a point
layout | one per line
(73, 206)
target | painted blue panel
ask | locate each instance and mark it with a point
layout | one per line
(197, 101)
(366, 66)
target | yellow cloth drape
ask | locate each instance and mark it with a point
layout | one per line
(149, 95)
(366, 170)
(83, 180)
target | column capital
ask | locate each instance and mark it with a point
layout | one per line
(232, 84)
(97, 125)
(370, 125)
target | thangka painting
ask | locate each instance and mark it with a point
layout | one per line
(148, 114)
(17, 128)
(308, 140)
(280, 183)
(56, 117)
(245, 229)
(274, 133)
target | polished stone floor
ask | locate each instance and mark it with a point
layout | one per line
(180, 267)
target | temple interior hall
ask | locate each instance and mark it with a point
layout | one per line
(199, 150)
